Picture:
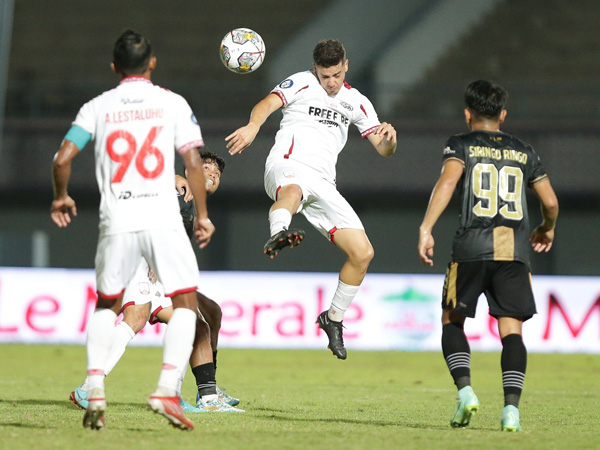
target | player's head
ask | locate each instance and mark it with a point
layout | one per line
(132, 54)
(214, 166)
(330, 65)
(485, 100)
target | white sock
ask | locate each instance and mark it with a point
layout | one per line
(99, 341)
(344, 294)
(180, 382)
(122, 336)
(279, 220)
(177, 348)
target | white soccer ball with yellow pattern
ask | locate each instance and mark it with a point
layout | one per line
(242, 50)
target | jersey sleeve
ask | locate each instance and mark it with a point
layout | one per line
(454, 149)
(187, 130)
(86, 118)
(288, 88)
(366, 119)
(538, 172)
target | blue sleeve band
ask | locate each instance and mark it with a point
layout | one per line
(78, 136)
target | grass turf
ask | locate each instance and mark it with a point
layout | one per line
(301, 400)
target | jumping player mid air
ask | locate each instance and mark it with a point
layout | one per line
(318, 107)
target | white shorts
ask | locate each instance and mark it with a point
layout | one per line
(141, 290)
(168, 252)
(322, 205)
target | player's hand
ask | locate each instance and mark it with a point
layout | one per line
(61, 209)
(152, 276)
(204, 231)
(241, 138)
(387, 132)
(541, 239)
(183, 187)
(426, 244)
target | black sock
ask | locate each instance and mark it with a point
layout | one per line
(513, 363)
(215, 359)
(457, 353)
(205, 379)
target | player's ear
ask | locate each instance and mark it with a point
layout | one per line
(468, 116)
(152, 64)
(503, 116)
(346, 65)
(114, 68)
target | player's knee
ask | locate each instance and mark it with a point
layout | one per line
(362, 255)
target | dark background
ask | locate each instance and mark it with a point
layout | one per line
(546, 53)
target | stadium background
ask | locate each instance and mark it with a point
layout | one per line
(413, 58)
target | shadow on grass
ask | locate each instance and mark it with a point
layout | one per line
(283, 416)
(60, 403)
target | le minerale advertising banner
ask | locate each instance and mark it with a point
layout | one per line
(279, 309)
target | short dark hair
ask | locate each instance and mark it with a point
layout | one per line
(132, 53)
(329, 53)
(209, 157)
(485, 99)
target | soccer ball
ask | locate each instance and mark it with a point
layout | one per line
(242, 50)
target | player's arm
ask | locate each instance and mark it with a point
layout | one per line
(440, 197)
(63, 205)
(244, 136)
(195, 176)
(384, 139)
(543, 236)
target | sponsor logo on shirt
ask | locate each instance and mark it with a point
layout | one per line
(126, 101)
(449, 151)
(328, 117)
(126, 195)
(347, 106)
(286, 84)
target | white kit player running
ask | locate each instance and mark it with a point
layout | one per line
(137, 127)
(318, 107)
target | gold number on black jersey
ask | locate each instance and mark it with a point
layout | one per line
(490, 185)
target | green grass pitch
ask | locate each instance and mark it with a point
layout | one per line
(296, 399)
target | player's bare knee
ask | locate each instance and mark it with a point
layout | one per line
(136, 317)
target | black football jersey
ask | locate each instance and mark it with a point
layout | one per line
(187, 211)
(494, 223)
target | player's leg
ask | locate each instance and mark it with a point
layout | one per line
(280, 218)
(511, 301)
(202, 366)
(359, 253)
(514, 363)
(117, 257)
(211, 311)
(172, 259)
(177, 347)
(457, 354)
(123, 334)
(136, 308)
(98, 344)
(463, 284)
(207, 398)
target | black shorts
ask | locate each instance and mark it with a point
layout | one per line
(506, 284)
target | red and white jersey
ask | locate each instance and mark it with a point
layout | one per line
(314, 128)
(137, 127)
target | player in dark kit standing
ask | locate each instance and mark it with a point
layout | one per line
(491, 247)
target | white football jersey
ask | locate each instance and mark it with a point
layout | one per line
(314, 128)
(137, 127)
